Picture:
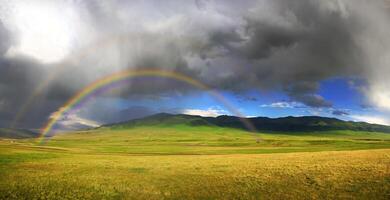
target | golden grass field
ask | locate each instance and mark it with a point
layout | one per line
(29, 171)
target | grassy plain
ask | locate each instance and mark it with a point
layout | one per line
(197, 163)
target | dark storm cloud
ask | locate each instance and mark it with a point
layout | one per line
(18, 79)
(19, 76)
(14, 78)
(272, 45)
(340, 112)
(282, 45)
(266, 37)
(299, 42)
(305, 92)
(312, 100)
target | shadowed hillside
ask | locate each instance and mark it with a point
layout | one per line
(17, 133)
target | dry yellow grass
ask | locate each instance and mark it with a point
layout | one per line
(361, 174)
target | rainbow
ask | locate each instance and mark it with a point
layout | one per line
(126, 74)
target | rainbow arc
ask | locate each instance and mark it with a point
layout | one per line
(126, 74)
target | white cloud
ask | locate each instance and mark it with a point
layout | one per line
(315, 112)
(251, 116)
(210, 112)
(371, 119)
(283, 104)
(380, 97)
(45, 29)
(73, 121)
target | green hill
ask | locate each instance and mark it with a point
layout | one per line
(289, 124)
(164, 119)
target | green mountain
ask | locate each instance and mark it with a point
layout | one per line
(17, 133)
(306, 123)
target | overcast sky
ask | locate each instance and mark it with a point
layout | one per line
(266, 57)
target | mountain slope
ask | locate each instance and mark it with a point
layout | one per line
(165, 119)
(306, 123)
(17, 133)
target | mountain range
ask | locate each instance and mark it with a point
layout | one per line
(286, 124)
(17, 133)
(282, 124)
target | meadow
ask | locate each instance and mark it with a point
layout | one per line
(181, 162)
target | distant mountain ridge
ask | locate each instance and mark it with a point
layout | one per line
(17, 133)
(295, 124)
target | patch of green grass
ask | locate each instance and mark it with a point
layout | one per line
(23, 157)
(181, 139)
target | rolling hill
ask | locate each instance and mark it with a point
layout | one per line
(289, 124)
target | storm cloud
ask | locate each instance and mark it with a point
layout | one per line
(278, 45)
(340, 112)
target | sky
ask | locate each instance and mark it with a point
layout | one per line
(259, 57)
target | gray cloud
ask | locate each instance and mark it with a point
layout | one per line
(5, 41)
(283, 45)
